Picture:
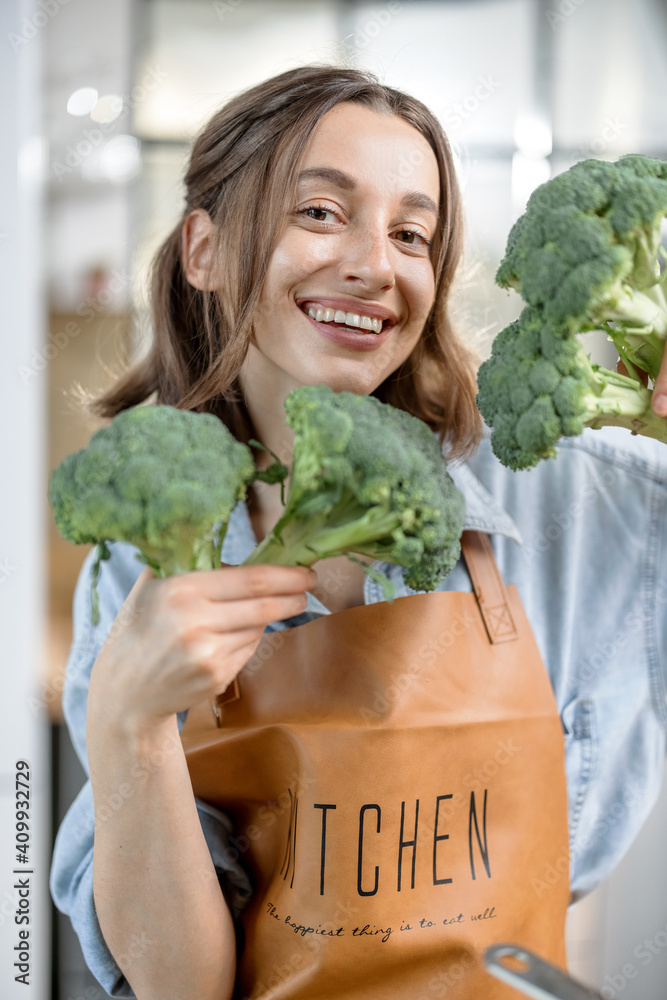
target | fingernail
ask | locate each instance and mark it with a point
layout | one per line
(660, 404)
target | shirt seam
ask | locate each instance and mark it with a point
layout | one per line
(585, 734)
(613, 455)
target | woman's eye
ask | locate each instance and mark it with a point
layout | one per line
(316, 211)
(410, 237)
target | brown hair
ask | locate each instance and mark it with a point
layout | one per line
(242, 171)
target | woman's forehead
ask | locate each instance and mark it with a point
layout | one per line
(371, 149)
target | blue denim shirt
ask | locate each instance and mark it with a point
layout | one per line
(584, 538)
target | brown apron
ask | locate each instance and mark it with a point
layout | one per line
(396, 777)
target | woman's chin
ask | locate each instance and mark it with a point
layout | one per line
(350, 375)
(358, 382)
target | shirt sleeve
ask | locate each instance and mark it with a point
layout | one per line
(71, 880)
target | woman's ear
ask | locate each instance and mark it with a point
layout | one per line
(197, 246)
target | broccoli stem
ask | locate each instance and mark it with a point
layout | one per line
(623, 402)
(302, 542)
(188, 554)
(371, 526)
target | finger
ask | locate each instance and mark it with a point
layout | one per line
(223, 655)
(253, 613)
(238, 582)
(134, 602)
(216, 647)
(659, 399)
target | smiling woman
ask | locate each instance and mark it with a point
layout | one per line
(381, 790)
(318, 188)
(358, 244)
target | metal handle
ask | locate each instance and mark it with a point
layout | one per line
(533, 976)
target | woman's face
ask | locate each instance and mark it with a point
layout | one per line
(354, 250)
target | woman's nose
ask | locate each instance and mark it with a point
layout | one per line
(367, 259)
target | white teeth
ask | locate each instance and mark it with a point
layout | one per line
(328, 315)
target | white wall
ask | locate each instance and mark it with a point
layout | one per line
(23, 735)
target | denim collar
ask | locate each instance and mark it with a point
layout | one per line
(483, 512)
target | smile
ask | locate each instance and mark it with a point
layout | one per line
(355, 331)
(358, 317)
(323, 315)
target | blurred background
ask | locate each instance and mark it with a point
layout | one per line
(99, 104)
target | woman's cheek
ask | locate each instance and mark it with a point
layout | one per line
(300, 251)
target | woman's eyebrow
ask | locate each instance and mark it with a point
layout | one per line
(411, 199)
(336, 177)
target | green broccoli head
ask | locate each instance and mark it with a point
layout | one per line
(366, 478)
(538, 387)
(587, 251)
(165, 480)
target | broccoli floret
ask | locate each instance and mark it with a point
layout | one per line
(585, 255)
(587, 250)
(369, 479)
(536, 388)
(165, 480)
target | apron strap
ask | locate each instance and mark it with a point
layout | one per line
(488, 586)
(489, 590)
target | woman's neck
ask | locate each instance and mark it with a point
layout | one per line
(265, 388)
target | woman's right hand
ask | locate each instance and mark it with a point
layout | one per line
(180, 640)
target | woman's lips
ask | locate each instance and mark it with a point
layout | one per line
(360, 340)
